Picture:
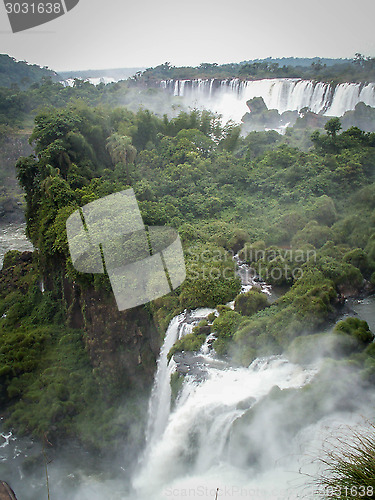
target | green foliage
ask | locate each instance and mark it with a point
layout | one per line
(210, 280)
(20, 73)
(356, 328)
(224, 326)
(211, 317)
(176, 383)
(20, 353)
(312, 234)
(190, 342)
(252, 252)
(52, 383)
(333, 126)
(303, 309)
(323, 211)
(340, 70)
(250, 302)
(11, 258)
(359, 259)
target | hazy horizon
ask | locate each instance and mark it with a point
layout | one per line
(99, 35)
(120, 68)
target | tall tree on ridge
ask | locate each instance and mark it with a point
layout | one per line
(121, 150)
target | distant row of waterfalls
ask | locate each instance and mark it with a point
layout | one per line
(228, 97)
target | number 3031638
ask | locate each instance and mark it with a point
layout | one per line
(33, 8)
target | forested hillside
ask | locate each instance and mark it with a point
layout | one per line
(309, 213)
(21, 74)
(358, 69)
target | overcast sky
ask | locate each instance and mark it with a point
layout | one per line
(100, 34)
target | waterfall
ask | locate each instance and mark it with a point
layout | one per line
(217, 437)
(195, 439)
(159, 405)
(160, 401)
(194, 435)
(228, 97)
(347, 95)
(69, 82)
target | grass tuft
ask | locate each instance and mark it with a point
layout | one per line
(349, 468)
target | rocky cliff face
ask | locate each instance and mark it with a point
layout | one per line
(122, 345)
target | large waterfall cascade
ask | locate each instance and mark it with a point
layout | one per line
(159, 405)
(228, 97)
(193, 438)
(197, 433)
(201, 446)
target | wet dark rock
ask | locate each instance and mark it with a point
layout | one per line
(205, 330)
(26, 256)
(189, 363)
(245, 404)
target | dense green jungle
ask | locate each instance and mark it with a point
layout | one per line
(359, 69)
(298, 208)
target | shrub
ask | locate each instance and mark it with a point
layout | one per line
(221, 346)
(211, 317)
(250, 302)
(190, 342)
(324, 211)
(252, 252)
(176, 383)
(356, 328)
(11, 258)
(226, 324)
(359, 259)
(314, 234)
(370, 247)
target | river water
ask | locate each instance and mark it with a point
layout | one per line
(13, 237)
(365, 309)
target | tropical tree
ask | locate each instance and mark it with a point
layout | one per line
(333, 126)
(122, 151)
